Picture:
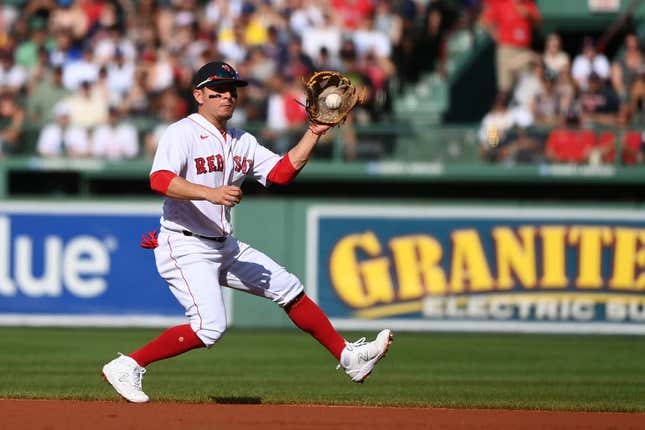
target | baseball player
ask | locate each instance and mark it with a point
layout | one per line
(199, 166)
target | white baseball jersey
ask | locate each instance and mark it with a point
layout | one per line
(195, 150)
(196, 268)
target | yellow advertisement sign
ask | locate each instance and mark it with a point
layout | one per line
(460, 264)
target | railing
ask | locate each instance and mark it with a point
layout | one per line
(387, 152)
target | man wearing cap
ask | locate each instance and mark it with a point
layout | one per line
(199, 166)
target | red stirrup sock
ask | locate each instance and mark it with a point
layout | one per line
(172, 342)
(310, 318)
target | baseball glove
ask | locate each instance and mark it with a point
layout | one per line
(331, 96)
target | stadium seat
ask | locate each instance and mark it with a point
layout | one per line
(570, 146)
(607, 144)
(631, 146)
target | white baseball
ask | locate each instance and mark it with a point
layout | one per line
(333, 101)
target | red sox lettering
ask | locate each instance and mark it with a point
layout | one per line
(215, 163)
(212, 163)
(242, 164)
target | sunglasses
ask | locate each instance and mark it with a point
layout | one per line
(222, 75)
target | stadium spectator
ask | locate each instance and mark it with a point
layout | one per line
(547, 107)
(286, 115)
(9, 14)
(427, 43)
(368, 39)
(27, 51)
(88, 106)
(62, 139)
(351, 66)
(115, 140)
(325, 61)
(13, 77)
(555, 59)
(327, 34)
(502, 134)
(633, 147)
(511, 23)
(69, 17)
(44, 95)
(258, 65)
(12, 118)
(494, 127)
(306, 14)
(379, 70)
(64, 50)
(298, 63)
(626, 67)
(167, 115)
(231, 44)
(403, 54)
(120, 75)
(589, 61)
(110, 46)
(599, 103)
(637, 96)
(81, 70)
(351, 13)
(569, 143)
(387, 21)
(530, 85)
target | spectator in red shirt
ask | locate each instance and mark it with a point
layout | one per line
(352, 12)
(510, 23)
(569, 143)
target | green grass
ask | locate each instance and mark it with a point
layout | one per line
(421, 369)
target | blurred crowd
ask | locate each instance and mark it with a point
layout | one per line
(86, 74)
(103, 78)
(555, 106)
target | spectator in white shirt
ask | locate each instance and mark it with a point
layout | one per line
(368, 39)
(77, 72)
(120, 75)
(555, 59)
(60, 138)
(589, 61)
(116, 140)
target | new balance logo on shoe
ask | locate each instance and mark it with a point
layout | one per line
(125, 375)
(359, 358)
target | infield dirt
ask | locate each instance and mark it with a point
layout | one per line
(102, 415)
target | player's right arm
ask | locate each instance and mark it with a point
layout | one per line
(171, 159)
(180, 188)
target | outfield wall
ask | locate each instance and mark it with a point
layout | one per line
(510, 267)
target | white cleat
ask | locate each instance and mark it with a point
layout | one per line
(359, 358)
(125, 375)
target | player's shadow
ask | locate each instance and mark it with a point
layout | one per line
(236, 400)
(248, 274)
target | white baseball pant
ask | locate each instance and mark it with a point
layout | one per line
(196, 269)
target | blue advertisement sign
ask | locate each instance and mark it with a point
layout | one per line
(80, 259)
(479, 268)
